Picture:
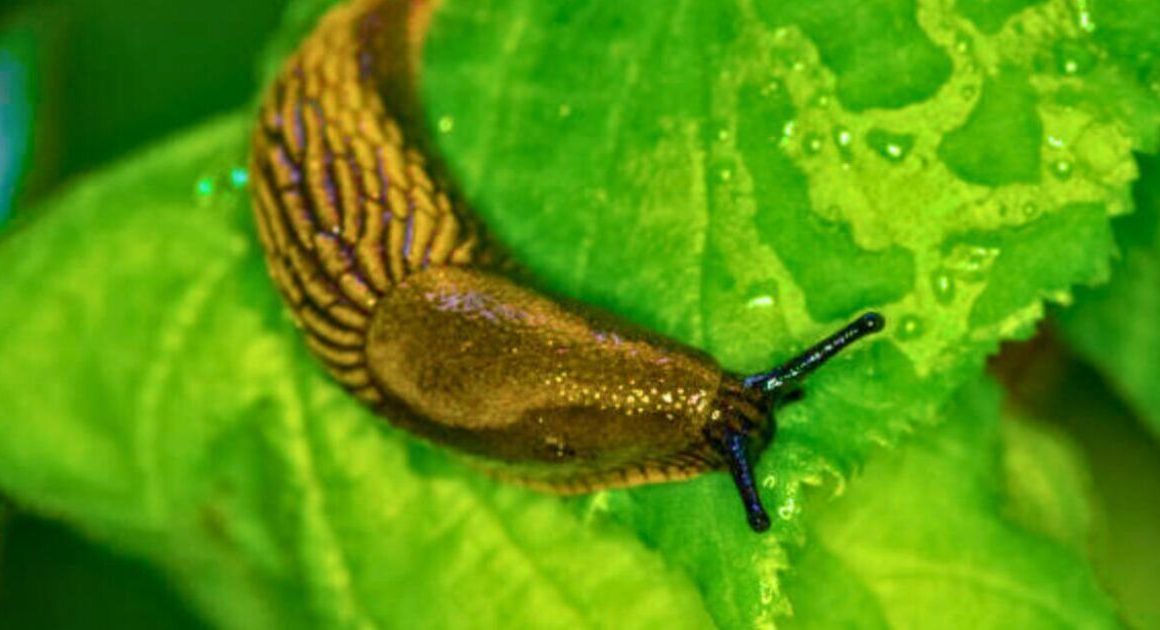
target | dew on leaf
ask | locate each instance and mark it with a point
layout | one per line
(761, 295)
(787, 132)
(1061, 169)
(943, 286)
(842, 136)
(1055, 142)
(910, 327)
(1072, 58)
(564, 111)
(771, 88)
(239, 177)
(1030, 210)
(892, 146)
(1084, 16)
(446, 124)
(205, 187)
(787, 510)
(971, 262)
(760, 301)
(843, 139)
(962, 43)
(812, 143)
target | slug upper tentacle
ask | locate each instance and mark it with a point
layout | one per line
(404, 298)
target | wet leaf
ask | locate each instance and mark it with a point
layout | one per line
(943, 520)
(743, 178)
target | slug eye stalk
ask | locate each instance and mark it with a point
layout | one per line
(775, 384)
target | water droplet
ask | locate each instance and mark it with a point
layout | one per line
(1084, 17)
(943, 286)
(1073, 58)
(787, 510)
(822, 100)
(446, 124)
(564, 111)
(1061, 169)
(962, 42)
(760, 301)
(971, 262)
(787, 131)
(812, 143)
(910, 327)
(773, 87)
(1030, 210)
(205, 187)
(1055, 142)
(762, 294)
(725, 174)
(892, 146)
(842, 136)
(723, 135)
(239, 177)
(843, 139)
(969, 91)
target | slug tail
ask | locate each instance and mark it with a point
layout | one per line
(345, 205)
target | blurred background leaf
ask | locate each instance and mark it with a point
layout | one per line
(1115, 326)
(105, 77)
(1060, 394)
(18, 96)
(51, 578)
(925, 534)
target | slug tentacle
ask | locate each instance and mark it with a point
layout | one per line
(784, 376)
(408, 303)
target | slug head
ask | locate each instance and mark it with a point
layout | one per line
(743, 425)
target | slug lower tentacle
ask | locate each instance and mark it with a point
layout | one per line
(402, 295)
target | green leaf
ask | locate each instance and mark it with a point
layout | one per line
(204, 436)
(1114, 326)
(741, 178)
(746, 176)
(1116, 472)
(44, 565)
(922, 539)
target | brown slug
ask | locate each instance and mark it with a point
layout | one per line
(402, 295)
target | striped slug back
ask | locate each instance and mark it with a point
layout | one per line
(345, 206)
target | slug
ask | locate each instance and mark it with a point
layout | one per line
(409, 304)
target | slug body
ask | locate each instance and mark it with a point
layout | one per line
(404, 298)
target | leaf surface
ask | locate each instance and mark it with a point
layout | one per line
(741, 177)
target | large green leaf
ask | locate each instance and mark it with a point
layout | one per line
(42, 565)
(742, 178)
(933, 536)
(204, 437)
(1115, 326)
(1118, 474)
